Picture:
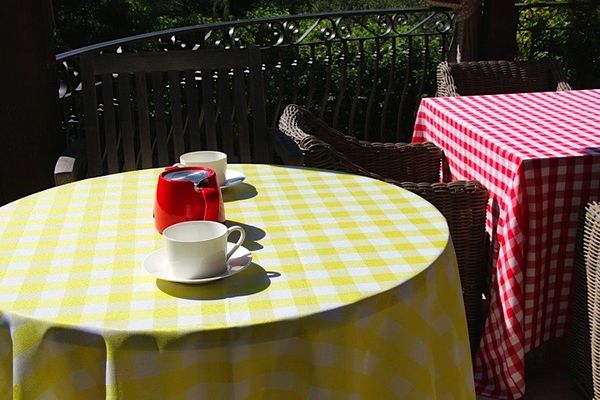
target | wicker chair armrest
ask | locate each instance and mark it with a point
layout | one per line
(584, 338)
(591, 261)
(318, 154)
(414, 162)
(396, 161)
(445, 82)
(499, 76)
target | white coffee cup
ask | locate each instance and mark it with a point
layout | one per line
(207, 158)
(198, 249)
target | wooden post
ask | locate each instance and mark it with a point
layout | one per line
(499, 30)
(28, 121)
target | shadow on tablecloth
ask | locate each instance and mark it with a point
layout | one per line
(252, 280)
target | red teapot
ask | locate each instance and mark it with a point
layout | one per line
(187, 194)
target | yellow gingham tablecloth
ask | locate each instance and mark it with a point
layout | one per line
(353, 294)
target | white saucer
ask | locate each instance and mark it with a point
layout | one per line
(232, 178)
(156, 265)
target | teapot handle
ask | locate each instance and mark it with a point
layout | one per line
(212, 203)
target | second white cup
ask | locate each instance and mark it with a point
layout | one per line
(198, 249)
(207, 158)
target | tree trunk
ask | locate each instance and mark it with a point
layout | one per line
(499, 30)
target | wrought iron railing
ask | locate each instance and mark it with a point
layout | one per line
(361, 71)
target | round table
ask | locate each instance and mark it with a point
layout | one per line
(353, 292)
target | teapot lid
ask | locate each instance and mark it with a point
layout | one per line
(193, 175)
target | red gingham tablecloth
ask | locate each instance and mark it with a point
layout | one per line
(539, 156)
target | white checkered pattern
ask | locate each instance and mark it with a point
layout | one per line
(353, 293)
(539, 156)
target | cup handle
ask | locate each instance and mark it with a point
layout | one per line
(239, 242)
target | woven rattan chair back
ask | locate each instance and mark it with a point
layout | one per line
(496, 77)
(309, 142)
(143, 110)
(584, 335)
(325, 147)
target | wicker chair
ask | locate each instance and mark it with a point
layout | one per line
(323, 147)
(494, 77)
(302, 139)
(584, 349)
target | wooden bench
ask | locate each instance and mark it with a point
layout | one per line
(144, 110)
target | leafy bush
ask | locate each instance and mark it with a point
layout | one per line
(570, 34)
(81, 23)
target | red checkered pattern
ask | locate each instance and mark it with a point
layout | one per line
(539, 156)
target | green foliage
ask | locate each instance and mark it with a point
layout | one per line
(340, 5)
(583, 48)
(346, 81)
(267, 9)
(570, 34)
(221, 9)
(80, 23)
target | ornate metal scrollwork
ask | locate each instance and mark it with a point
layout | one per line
(298, 43)
(328, 29)
(386, 22)
(443, 25)
(282, 32)
(344, 27)
(399, 20)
